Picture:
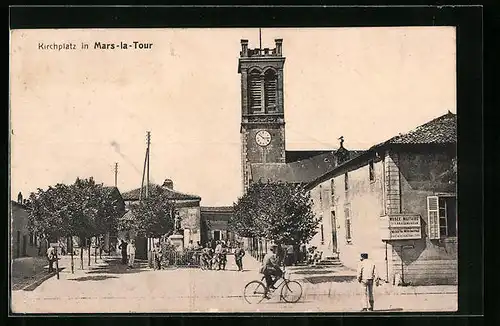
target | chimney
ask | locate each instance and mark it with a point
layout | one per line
(168, 183)
(244, 48)
(20, 198)
(279, 45)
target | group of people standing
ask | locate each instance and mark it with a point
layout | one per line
(216, 258)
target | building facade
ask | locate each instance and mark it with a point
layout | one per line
(187, 206)
(263, 145)
(214, 222)
(23, 242)
(397, 202)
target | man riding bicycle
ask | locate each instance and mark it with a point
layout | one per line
(270, 267)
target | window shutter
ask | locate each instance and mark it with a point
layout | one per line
(433, 217)
(255, 91)
(270, 90)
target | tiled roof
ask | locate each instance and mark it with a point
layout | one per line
(295, 172)
(442, 130)
(216, 209)
(294, 156)
(299, 171)
(172, 194)
(111, 190)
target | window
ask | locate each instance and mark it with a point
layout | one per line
(270, 90)
(332, 187)
(371, 171)
(255, 91)
(442, 217)
(348, 231)
(346, 181)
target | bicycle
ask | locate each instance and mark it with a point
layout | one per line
(255, 291)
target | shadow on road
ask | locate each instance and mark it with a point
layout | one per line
(115, 266)
(92, 278)
(329, 279)
(306, 272)
(307, 267)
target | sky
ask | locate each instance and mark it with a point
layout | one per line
(74, 113)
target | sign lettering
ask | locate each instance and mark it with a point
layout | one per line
(401, 227)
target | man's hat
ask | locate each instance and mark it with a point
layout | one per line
(364, 255)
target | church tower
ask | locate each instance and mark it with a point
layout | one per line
(262, 115)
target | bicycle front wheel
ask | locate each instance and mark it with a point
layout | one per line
(255, 292)
(291, 291)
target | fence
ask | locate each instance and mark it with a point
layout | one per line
(186, 258)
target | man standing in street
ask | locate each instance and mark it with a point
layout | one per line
(123, 248)
(238, 257)
(157, 252)
(51, 258)
(131, 253)
(367, 275)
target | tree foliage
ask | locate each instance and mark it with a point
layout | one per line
(84, 208)
(275, 211)
(152, 217)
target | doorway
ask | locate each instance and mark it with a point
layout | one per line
(217, 235)
(25, 245)
(334, 232)
(18, 242)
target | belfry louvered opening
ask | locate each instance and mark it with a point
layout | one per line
(270, 90)
(255, 91)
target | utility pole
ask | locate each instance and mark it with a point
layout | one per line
(116, 174)
(260, 41)
(146, 165)
(147, 171)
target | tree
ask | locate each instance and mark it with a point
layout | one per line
(153, 217)
(84, 209)
(281, 212)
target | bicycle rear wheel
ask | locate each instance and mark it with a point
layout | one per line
(254, 292)
(291, 291)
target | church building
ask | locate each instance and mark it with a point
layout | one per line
(263, 143)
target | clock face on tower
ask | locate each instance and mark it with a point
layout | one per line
(263, 138)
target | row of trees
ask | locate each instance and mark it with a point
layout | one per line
(87, 210)
(84, 209)
(281, 212)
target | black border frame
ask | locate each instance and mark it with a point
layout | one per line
(467, 19)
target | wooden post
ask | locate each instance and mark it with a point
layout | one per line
(88, 249)
(81, 252)
(72, 262)
(116, 174)
(57, 263)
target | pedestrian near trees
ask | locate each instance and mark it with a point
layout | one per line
(131, 253)
(123, 247)
(51, 258)
(238, 257)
